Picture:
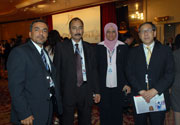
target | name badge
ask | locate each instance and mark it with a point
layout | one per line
(110, 69)
(83, 71)
(146, 78)
(51, 82)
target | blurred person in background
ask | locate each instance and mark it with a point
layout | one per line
(128, 39)
(175, 91)
(170, 43)
(53, 38)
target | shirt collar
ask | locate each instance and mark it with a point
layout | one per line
(150, 46)
(117, 43)
(37, 46)
(79, 43)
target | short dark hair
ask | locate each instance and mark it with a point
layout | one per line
(150, 23)
(36, 21)
(126, 36)
(75, 19)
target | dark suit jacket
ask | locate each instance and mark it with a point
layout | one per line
(121, 57)
(64, 60)
(172, 46)
(160, 71)
(29, 86)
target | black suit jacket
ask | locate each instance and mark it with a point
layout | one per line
(121, 58)
(160, 71)
(29, 85)
(64, 60)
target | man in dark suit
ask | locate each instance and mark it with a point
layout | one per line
(170, 43)
(150, 75)
(77, 74)
(31, 80)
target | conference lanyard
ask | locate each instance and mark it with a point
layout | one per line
(110, 55)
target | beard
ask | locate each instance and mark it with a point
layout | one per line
(40, 40)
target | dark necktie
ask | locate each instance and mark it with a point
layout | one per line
(78, 67)
(44, 60)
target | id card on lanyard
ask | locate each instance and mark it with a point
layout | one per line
(147, 81)
(110, 60)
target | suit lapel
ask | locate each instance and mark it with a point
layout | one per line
(104, 56)
(142, 57)
(86, 56)
(154, 55)
(71, 54)
(37, 56)
(118, 53)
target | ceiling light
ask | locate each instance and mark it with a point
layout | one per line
(137, 15)
(54, 1)
(137, 6)
(27, 3)
(41, 6)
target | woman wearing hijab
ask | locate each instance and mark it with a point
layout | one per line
(111, 59)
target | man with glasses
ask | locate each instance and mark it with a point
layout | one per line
(150, 72)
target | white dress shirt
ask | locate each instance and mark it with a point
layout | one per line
(81, 53)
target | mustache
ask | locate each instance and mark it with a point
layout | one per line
(41, 36)
(78, 34)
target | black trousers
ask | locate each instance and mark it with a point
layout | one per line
(52, 110)
(82, 107)
(155, 118)
(111, 107)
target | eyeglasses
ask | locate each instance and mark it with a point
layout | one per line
(146, 31)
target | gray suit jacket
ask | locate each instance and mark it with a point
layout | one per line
(176, 84)
(29, 86)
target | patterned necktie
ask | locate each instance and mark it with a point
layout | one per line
(44, 60)
(148, 55)
(78, 66)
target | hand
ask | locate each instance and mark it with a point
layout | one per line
(143, 93)
(127, 89)
(149, 94)
(96, 98)
(28, 120)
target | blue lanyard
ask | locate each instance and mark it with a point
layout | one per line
(111, 54)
